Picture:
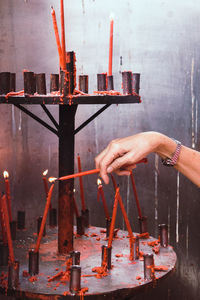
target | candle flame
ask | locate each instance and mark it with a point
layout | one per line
(5, 174)
(74, 190)
(52, 179)
(98, 181)
(45, 172)
(112, 16)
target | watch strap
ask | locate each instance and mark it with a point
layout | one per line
(170, 162)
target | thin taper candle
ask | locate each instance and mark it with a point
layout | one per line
(3, 225)
(101, 192)
(136, 195)
(7, 187)
(110, 48)
(57, 36)
(114, 214)
(81, 185)
(63, 34)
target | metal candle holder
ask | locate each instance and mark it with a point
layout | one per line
(136, 82)
(148, 267)
(163, 232)
(83, 83)
(4, 82)
(75, 256)
(13, 275)
(102, 82)
(85, 217)
(127, 83)
(53, 217)
(41, 84)
(75, 279)
(143, 224)
(33, 265)
(12, 82)
(4, 254)
(105, 251)
(54, 83)
(39, 221)
(108, 222)
(29, 83)
(110, 83)
(136, 248)
(80, 230)
(21, 220)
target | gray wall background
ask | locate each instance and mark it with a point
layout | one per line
(160, 40)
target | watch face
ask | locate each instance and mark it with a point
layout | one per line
(167, 162)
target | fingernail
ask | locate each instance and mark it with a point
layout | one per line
(110, 169)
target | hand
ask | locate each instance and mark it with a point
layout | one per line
(121, 155)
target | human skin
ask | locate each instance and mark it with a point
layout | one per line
(121, 155)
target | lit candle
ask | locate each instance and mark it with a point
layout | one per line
(3, 225)
(63, 33)
(101, 192)
(110, 46)
(57, 36)
(7, 224)
(114, 214)
(81, 185)
(7, 187)
(75, 205)
(136, 195)
(45, 181)
(44, 218)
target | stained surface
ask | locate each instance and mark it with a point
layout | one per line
(159, 39)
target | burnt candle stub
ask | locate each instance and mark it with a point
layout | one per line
(127, 83)
(110, 83)
(13, 275)
(4, 82)
(29, 83)
(80, 225)
(83, 83)
(21, 220)
(54, 82)
(33, 264)
(41, 83)
(143, 224)
(39, 221)
(106, 256)
(75, 279)
(102, 82)
(149, 267)
(53, 217)
(163, 232)
(4, 253)
(75, 256)
(136, 83)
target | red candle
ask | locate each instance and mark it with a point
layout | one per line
(63, 34)
(57, 35)
(45, 181)
(113, 181)
(101, 192)
(136, 195)
(81, 185)
(3, 225)
(44, 218)
(7, 224)
(114, 214)
(110, 47)
(7, 187)
(75, 205)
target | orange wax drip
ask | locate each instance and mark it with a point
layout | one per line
(79, 174)
(62, 34)
(7, 224)
(100, 190)
(114, 214)
(75, 207)
(46, 188)
(44, 218)
(57, 36)
(7, 187)
(110, 48)
(81, 185)
(136, 195)
(3, 225)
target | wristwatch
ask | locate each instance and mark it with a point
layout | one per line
(170, 162)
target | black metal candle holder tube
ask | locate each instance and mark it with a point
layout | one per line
(136, 248)
(13, 229)
(64, 83)
(4, 82)
(106, 256)
(21, 219)
(12, 82)
(83, 83)
(53, 217)
(143, 224)
(136, 83)
(102, 82)
(85, 217)
(41, 83)
(75, 279)
(127, 82)
(163, 232)
(80, 226)
(29, 83)
(39, 221)
(54, 82)
(108, 222)
(75, 256)
(149, 267)
(110, 83)
(13, 275)
(33, 263)
(4, 253)
(71, 68)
